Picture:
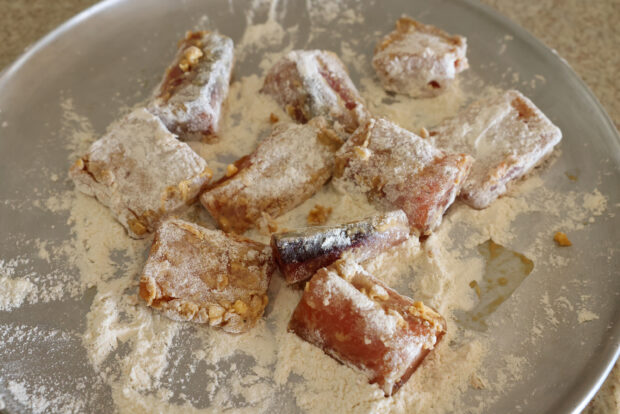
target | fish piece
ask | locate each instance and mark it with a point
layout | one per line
(419, 60)
(395, 168)
(300, 253)
(207, 276)
(310, 83)
(142, 172)
(286, 169)
(359, 321)
(190, 96)
(507, 135)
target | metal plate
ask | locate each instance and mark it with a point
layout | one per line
(96, 58)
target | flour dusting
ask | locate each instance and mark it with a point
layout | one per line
(148, 363)
(13, 291)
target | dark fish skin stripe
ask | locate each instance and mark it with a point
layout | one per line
(305, 244)
(300, 253)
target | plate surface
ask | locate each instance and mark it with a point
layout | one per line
(113, 54)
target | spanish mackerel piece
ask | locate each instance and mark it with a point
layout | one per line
(142, 172)
(396, 169)
(190, 96)
(207, 276)
(358, 320)
(419, 59)
(300, 253)
(507, 135)
(286, 169)
(310, 83)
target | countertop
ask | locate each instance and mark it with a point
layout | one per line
(585, 33)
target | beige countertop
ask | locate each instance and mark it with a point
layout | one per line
(585, 33)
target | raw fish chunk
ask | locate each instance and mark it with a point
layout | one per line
(310, 83)
(418, 59)
(397, 169)
(507, 135)
(190, 96)
(300, 253)
(286, 169)
(142, 172)
(206, 276)
(362, 323)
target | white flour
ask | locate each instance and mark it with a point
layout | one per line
(152, 364)
(585, 315)
(13, 290)
(38, 399)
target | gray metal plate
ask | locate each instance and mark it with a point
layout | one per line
(96, 59)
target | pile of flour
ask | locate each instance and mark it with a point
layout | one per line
(148, 363)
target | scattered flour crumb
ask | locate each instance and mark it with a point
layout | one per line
(13, 291)
(595, 202)
(269, 33)
(39, 399)
(585, 315)
(549, 311)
